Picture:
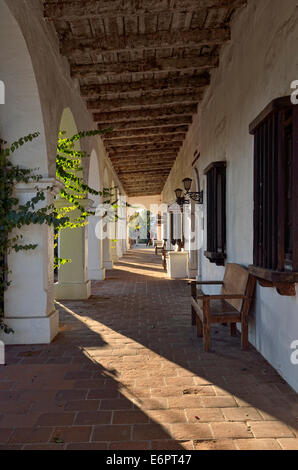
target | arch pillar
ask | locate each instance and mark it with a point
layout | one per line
(106, 247)
(96, 270)
(192, 243)
(113, 231)
(194, 229)
(29, 300)
(73, 282)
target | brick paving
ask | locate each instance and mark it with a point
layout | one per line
(128, 372)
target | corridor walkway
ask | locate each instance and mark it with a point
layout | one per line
(128, 372)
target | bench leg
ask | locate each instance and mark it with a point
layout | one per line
(244, 333)
(193, 316)
(199, 327)
(233, 329)
(206, 337)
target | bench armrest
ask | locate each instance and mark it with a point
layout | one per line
(206, 282)
(224, 297)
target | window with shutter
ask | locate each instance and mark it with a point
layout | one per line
(275, 255)
(216, 213)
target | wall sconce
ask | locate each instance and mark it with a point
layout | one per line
(195, 196)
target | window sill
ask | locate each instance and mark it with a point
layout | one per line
(283, 281)
(214, 257)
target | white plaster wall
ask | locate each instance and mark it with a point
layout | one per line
(257, 66)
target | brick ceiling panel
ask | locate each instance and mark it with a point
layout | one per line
(143, 67)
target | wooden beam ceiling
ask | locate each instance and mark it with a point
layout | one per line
(78, 10)
(143, 67)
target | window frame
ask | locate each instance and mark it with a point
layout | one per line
(271, 212)
(216, 213)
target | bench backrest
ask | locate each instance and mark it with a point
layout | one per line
(236, 280)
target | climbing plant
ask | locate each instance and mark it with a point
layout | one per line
(69, 172)
(13, 215)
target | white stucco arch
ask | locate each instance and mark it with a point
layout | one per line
(73, 280)
(22, 113)
(29, 301)
(40, 95)
(68, 123)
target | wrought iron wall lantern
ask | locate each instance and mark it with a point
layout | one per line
(182, 199)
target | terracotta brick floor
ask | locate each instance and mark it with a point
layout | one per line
(128, 372)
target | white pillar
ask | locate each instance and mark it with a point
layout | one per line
(192, 221)
(29, 301)
(96, 271)
(106, 247)
(159, 227)
(113, 242)
(73, 280)
(168, 231)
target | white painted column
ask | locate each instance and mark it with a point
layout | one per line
(96, 271)
(159, 227)
(29, 301)
(106, 246)
(73, 280)
(168, 231)
(192, 239)
(113, 242)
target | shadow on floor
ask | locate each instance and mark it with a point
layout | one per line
(128, 372)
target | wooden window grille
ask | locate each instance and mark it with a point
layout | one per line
(275, 255)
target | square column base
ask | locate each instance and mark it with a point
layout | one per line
(108, 264)
(33, 330)
(193, 273)
(98, 274)
(72, 291)
(177, 264)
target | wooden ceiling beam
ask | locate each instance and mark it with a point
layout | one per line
(147, 140)
(204, 62)
(138, 158)
(110, 136)
(142, 185)
(73, 47)
(196, 82)
(145, 176)
(77, 9)
(127, 170)
(145, 147)
(158, 121)
(164, 111)
(141, 102)
(144, 166)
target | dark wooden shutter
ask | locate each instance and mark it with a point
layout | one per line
(216, 212)
(275, 255)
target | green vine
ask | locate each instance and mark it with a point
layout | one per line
(69, 172)
(13, 215)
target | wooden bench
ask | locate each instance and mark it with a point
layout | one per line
(164, 258)
(158, 245)
(231, 306)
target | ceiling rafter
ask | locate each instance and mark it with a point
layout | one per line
(76, 9)
(143, 67)
(196, 38)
